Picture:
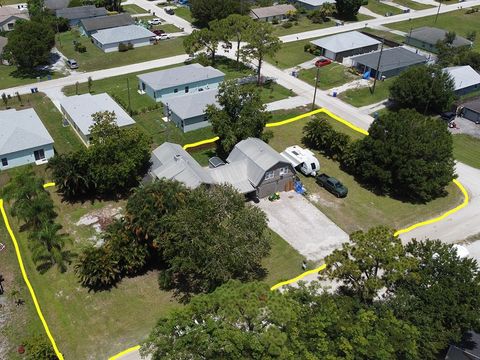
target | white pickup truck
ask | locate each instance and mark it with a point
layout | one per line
(302, 159)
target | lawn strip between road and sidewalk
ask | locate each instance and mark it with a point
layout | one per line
(330, 76)
(364, 96)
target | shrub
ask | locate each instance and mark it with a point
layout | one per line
(287, 25)
(80, 47)
(318, 134)
(130, 46)
(122, 47)
(307, 47)
(97, 269)
(275, 22)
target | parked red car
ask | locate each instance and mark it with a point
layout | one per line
(158, 32)
(322, 62)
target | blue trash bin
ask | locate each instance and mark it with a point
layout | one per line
(334, 94)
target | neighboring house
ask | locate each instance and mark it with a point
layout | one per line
(78, 111)
(75, 14)
(271, 13)
(427, 38)
(9, 16)
(55, 5)
(338, 46)
(188, 111)
(171, 162)
(23, 139)
(109, 39)
(471, 111)
(465, 77)
(181, 80)
(3, 42)
(313, 4)
(393, 62)
(92, 25)
(468, 349)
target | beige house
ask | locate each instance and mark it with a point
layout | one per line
(9, 16)
(271, 13)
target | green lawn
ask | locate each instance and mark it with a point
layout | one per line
(168, 28)
(330, 76)
(363, 96)
(361, 209)
(381, 9)
(9, 77)
(385, 34)
(134, 9)
(456, 21)
(185, 13)
(291, 54)
(413, 4)
(303, 24)
(95, 59)
(466, 149)
(65, 138)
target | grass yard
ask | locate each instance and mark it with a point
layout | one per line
(10, 78)
(466, 149)
(134, 9)
(168, 28)
(361, 209)
(185, 13)
(291, 54)
(330, 76)
(413, 4)
(385, 34)
(381, 9)
(363, 96)
(303, 24)
(65, 138)
(456, 21)
(94, 58)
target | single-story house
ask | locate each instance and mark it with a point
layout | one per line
(393, 62)
(181, 80)
(9, 16)
(23, 139)
(109, 39)
(92, 25)
(188, 111)
(338, 46)
(471, 110)
(467, 349)
(78, 111)
(172, 162)
(313, 4)
(270, 13)
(427, 38)
(55, 5)
(75, 14)
(465, 77)
(3, 42)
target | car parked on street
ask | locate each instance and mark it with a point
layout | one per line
(72, 64)
(154, 21)
(322, 62)
(332, 185)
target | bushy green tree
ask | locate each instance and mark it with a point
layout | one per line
(97, 269)
(406, 155)
(242, 114)
(318, 134)
(234, 28)
(424, 88)
(205, 11)
(203, 39)
(348, 9)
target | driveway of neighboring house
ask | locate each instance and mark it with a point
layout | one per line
(303, 226)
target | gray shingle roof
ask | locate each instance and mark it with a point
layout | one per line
(21, 130)
(179, 76)
(7, 12)
(107, 22)
(432, 35)
(268, 11)
(259, 158)
(81, 12)
(81, 108)
(170, 161)
(56, 4)
(463, 76)
(345, 41)
(234, 174)
(393, 58)
(191, 105)
(3, 42)
(122, 34)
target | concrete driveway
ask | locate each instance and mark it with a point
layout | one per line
(303, 226)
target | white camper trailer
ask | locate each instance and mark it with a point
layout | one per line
(302, 159)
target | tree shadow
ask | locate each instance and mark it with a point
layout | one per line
(31, 73)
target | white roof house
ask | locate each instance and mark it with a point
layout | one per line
(350, 43)
(109, 39)
(313, 4)
(78, 110)
(22, 137)
(465, 77)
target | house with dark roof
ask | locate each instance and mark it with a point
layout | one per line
(55, 5)
(23, 139)
(471, 111)
(426, 38)
(181, 80)
(467, 349)
(270, 13)
(188, 111)
(92, 25)
(109, 39)
(465, 78)
(75, 14)
(338, 46)
(9, 15)
(392, 62)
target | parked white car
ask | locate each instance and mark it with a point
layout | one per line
(155, 21)
(162, 37)
(302, 159)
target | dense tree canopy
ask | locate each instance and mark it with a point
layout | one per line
(234, 28)
(205, 11)
(348, 9)
(406, 155)
(319, 134)
(242, 115)
(207, 39)
(424, 88)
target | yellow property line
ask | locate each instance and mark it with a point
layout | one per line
(27, 281)
(198, 143)
(125, 352)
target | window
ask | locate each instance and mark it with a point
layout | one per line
(10, 26)
(4, 162)
(175, 90)
(313, 166)
(186, 89)
(269, 175)
(283, 171)
(39, 154)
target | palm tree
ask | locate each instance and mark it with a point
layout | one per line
(70, 173)
(97, 269)
(47, 248)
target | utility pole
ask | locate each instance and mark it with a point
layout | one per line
(128, 92)
(430, 94)
(438, 11)
(316, 85)
(378, 66)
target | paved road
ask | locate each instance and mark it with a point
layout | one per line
(378, 21)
